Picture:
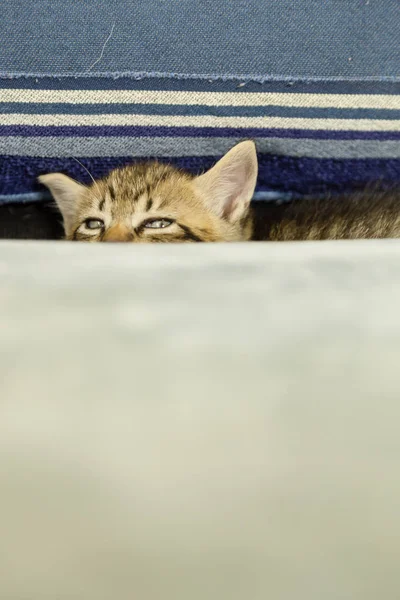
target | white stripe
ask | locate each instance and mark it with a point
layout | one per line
(202, 98)
(202, 121)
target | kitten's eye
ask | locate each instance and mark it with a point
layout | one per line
(158, 223)
(94, 223)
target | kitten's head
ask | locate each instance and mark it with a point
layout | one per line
(153, 202)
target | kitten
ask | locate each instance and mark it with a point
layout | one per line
(154, 202)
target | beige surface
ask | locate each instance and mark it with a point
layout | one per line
(200, 421)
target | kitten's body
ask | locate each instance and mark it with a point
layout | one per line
(153, 203)
(370, 213)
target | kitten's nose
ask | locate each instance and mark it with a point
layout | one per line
(117, 233)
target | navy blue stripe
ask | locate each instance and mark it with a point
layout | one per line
(289, 174)
(126, 83)
(198, 110)
(207, 132)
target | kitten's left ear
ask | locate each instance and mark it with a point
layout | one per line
(66, 192)
(229, 186)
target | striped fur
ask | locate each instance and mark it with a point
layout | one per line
(365, 214)
(131, 201)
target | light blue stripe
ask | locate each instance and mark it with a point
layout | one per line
(272, 196)
(175, 147)
(265, 196)
(25, 198)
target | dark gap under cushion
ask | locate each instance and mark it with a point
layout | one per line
(33, 221)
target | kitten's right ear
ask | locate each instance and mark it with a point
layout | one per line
(229, 186)
(66, 192)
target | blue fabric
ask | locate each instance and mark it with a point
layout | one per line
(315, 84)
(284, 173)
(250, 39)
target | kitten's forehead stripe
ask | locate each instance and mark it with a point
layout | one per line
(138, 193)
(149, 203)
(111, 190)
(101, 204)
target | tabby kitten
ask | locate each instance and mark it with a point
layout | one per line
(154, 202)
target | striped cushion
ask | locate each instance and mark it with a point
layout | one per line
(315, 84)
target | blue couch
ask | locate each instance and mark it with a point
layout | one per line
(316, 84)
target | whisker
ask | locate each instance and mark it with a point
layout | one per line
(87, 170)
(89, 173)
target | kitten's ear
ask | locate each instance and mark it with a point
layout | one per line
(66, 192)
(229, 185)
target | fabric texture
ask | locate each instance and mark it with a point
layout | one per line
(253, 39)
(316, 85)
